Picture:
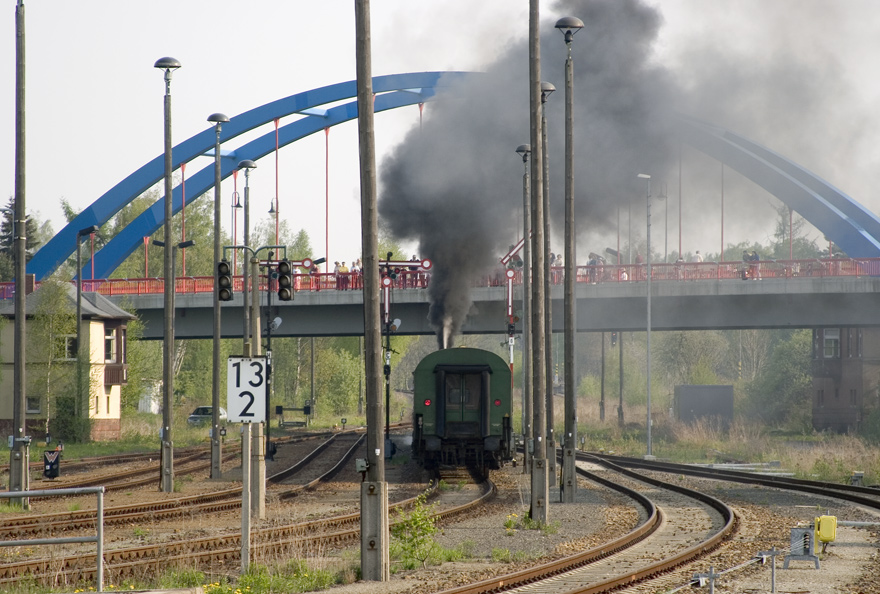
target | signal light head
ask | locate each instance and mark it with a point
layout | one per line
(285, 281)
(497, 402)
(224, 281)
(427, 402)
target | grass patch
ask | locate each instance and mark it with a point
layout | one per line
(506, 556)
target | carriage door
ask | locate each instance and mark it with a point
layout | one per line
(462, 398)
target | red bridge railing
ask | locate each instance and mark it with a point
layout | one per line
(602, 273)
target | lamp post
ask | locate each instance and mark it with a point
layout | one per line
(216, 454)
(647, 178)
(168, 387)
(247, 165)
(79, 334)
(236, 206)
(169, 65)
(569, 26)
(524, 151)
(546, 89)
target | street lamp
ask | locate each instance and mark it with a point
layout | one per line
(169, 65)
(546, 90)
(568, 26)
(247, 165)
(524, 151)
(647, 178)
(79, 334)
(218, 120)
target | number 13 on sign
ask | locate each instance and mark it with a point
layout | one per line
(246, 389)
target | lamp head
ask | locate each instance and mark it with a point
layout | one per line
(643, 176)
(87, 231)
(167, 63)
(272, 207)
(218, 118)
(569, 26)
(246, 164)
(546, 89)
(523, 151)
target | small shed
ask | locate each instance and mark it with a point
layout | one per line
(702, 402)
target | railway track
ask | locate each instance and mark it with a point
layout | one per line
(50, 524)
(217, 550)
(678, 525)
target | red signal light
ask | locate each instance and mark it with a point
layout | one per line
(497, 402)
(427, 402)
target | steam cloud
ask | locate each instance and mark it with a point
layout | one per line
(455, 186)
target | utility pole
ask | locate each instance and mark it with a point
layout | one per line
(539, 482)
(18, 461)
(375, 562)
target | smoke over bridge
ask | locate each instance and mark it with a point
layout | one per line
(455, 185)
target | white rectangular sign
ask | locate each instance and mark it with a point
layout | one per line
(246, 389)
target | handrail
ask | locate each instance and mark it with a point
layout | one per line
(589, 274)
(99, 533)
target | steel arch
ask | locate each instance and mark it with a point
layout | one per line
(843, 220)
(391, 91)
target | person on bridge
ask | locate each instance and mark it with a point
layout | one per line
(698, 257)
(755, 266)
(343, 277)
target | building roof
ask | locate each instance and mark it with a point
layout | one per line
(94, 305)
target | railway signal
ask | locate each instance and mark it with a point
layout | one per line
(285, 281)
(224, 281)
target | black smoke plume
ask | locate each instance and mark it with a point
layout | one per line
(455, 185)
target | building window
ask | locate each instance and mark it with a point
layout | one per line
(852, 396)
(109, 345)
(33, 405)
(820, 397)
(65, 347)
(859, 342)
(123, 354)
(832, 343)
(849, 349)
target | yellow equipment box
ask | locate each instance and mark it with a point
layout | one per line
(826, 529)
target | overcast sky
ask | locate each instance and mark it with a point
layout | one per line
(94, 100)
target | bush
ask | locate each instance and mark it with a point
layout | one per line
(413, 534)
(67, 425)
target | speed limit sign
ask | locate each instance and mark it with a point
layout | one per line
(246, 389)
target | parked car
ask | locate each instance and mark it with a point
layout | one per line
(202, 415)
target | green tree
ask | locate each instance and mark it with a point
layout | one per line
(36, 234)
(781, 393)
(337, 374)
(52, 353)
(693, 357)
(790, 239)
(144, 364)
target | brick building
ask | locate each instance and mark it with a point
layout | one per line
(846, 377)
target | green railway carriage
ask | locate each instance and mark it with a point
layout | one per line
(462, 409)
